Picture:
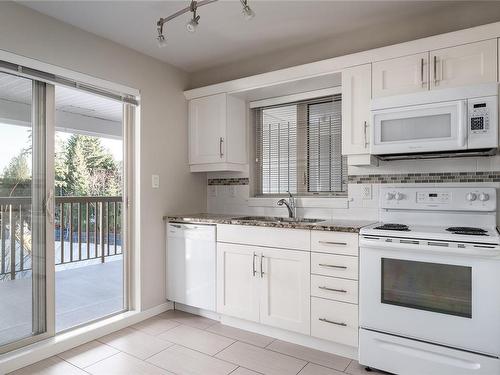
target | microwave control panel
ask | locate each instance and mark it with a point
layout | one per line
(482, 124)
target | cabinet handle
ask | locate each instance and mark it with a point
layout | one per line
(332, 266)
(365, 126)
(332, 322)
(435, 70)
(221, 148)
(332, 289)
(254, 270)
(422, 72)
(261, 270)
(333, 243)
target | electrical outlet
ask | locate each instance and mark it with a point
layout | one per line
(212, 191)
(366, 192)
(155, 181)
(232, 191)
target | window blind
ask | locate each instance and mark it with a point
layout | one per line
(298, 148)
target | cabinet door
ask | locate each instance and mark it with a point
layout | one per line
(285, 301)
(207, 129)
(401, 76)
(238, 281)
(356, 95)
(468, 64)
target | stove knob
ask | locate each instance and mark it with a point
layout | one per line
(399, 196)
(483, 197)
(389, 196)
(471, 197)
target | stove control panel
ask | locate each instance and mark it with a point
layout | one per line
(444, 199)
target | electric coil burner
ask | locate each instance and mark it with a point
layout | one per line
(391, 226)
(468, 231)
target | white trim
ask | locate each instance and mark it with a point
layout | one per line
(66, 73)
(337, 64)
(68, 340)
(295, 338)
(296, 97)
(197, 311)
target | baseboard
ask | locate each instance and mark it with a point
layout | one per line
(47, 348)
(295, 338)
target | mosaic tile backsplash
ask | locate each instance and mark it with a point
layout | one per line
(228, 181)
(415, 178)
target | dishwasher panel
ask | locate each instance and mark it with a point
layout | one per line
(191, 265)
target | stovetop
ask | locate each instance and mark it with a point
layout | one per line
(434, 232)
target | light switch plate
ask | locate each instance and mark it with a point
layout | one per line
(155, 181)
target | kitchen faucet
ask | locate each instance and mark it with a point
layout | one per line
(290, 205)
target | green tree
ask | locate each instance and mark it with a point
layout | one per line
(18, 168)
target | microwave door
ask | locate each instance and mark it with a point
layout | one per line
(432, 127)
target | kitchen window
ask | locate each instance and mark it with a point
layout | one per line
(298, 148)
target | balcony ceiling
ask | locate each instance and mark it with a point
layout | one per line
(223, 35)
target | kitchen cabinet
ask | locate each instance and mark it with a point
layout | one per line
(356, 96)
(468, 64)
(401, 75)
(217, 133)
(266, 285)
(285, 289)
(238, 283)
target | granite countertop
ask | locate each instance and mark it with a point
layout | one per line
(351, 226)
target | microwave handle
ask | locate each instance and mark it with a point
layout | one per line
(463, 127)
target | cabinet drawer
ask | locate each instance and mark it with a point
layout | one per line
(334, 288)
(334, 321)
(334, 265)
(334, 242)
(295, 239)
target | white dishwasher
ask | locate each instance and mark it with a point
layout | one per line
(191, 265)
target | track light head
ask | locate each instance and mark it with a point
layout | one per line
(248, 12)
(160, 39)
(193, 24)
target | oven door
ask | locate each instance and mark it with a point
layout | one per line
(447, 299)
(434, 127)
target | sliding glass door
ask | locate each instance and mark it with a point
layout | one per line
(24, 271)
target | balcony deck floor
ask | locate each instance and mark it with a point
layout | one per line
(82, 294)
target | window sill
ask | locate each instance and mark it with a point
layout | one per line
(302, 202)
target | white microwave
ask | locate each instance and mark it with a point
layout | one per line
(436, 121)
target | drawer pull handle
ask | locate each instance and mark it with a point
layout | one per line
(332, 266)
(332, 289)
(332, 322)
(333, 243)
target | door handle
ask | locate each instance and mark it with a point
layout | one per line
(49, 206)
(333, 243)
(435, 70)
(332, 322)
(422, 72)
(254, 271)
(332, 289)
(221, 148)
(261, 269)
(332, 266)
(365, 136)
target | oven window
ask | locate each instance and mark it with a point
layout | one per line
(435, 287)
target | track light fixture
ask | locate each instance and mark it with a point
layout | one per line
(192, 25)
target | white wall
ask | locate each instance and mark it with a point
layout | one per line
(163, 132)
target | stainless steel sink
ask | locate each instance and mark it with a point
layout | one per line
(277, 219)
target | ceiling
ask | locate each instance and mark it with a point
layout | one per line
(223, 35)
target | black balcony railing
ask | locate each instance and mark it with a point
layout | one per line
(86, 228)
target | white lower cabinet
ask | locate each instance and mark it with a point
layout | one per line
(238, 291)
(334, 321)
(285, 290)
(266, 285)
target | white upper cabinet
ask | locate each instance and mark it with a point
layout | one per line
(217, 133)
(472, 63)
(356, 96)
(286, 291)
(401, 75)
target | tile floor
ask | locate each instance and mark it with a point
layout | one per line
(179, 343)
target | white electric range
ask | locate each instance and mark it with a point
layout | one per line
(430, 283)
